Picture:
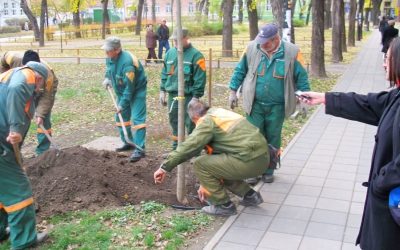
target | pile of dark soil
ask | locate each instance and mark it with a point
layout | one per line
(78, 178)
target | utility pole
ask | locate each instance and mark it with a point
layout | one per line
(180, 188)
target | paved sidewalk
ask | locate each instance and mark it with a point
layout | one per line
(317, 199)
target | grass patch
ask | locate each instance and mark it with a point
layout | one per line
(147, 226)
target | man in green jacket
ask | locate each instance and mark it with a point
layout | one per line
(45, 102)
(235, 150)
(18, 89)
(194, 70)
(126, 75)
(269, 72)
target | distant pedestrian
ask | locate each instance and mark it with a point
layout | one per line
(26, 26)
(151, 43)
(163, 36)
(383, 24)
(388, 34)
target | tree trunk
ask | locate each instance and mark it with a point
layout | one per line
(343, 27)
(337, 55)
(138, 27)
(105, 27)
(227, 29)
(253, 19)
(308, 13)
(367, 15)
(376, 6)
(153, 11)
(240, 14)
(207, 9)
(360, 19)
(278, 13)
(292, 33)
(31, 18)
(328, 14)
(77, 20)
(43, 8)
(352, 24)
(318, 40)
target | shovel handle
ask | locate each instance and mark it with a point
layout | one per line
(122, 121)
(48, 136)
(17, 154)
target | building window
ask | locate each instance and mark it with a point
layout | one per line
(191, 7)
(6, 12)
(14, 12)
(168, 8)
(13, 5)
(5, 5)
(157, 8)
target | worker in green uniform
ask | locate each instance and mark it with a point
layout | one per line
(18, 89)
(269, 73)
(126, 75)
(235, 150)
(44, 105)
(194, 70)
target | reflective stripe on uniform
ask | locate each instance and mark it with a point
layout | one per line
(41, 131)
(29, 75)
(28, 107)
(18, 206)
(119, 124)
(139, 126)
(5, 76)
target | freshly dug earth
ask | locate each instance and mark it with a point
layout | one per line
(78, 178)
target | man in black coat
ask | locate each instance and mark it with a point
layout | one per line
(388, 34)
(379, 230)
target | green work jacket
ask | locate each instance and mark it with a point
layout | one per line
(270, 77)
(220, 131)
(17, 103)
(127, 76)
(194, 69)
(45, 102)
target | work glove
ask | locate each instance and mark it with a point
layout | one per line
(193, 100)
(233, 100)
(163, 98)
(107, 83)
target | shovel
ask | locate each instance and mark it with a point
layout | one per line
(17, 153)
(49, 138)
(122, 122)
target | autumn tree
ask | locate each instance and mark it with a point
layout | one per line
(337, 53)
(343, 27)
(277, 7)
(318, 39)
(240, 13)
(105, 27)
(43, 11)
(351, 40)
(139, 17)
(253, 18)
(328, 14)
(227, 28)
(376, 6)
(32, 18)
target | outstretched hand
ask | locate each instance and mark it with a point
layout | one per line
(312, 98)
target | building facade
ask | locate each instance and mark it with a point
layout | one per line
(10, 9)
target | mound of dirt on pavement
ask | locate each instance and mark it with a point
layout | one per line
(78, 178)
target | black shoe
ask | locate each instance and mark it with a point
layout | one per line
(6, 235)
(252, 200)
(220, 210)
(267, 178)
(126, 147)
(136, 155)
(251, 181)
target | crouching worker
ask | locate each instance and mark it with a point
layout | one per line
(19, 88)
(235, 151)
